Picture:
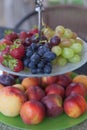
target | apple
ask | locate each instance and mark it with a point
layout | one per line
(11, 100)
(35, 92)
(55, 89)
(75, 105)
(32, 112)
(53, 104)
(78, 88)
(48, 80)
(64, 80)
(30, 81)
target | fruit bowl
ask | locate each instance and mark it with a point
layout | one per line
(57, 70)
(60, 122)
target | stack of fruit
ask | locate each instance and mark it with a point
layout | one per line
(38, 54)
(37, 98)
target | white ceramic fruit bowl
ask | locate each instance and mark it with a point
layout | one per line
(57, 70)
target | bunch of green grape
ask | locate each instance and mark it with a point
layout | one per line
(66, 45)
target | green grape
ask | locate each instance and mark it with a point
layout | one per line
(57, 50)
(54, 62)
(65, 43)
(59, 30)
(77, 47)
(75, 59)
(61, 61)
(79, 41)
(68, 33)
(67, 53)
(74, 36)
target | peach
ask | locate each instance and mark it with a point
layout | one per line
(75, 105)
(32, 112)
(20, 86)
(55, 89)
(48, 80)
(11, 100)
(35, 92)
(81, 79)
(53, 104)
(78, 88)
(1, 86)
(30, 81)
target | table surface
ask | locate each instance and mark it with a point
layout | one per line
(81, 70)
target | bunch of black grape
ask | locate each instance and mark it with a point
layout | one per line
(38, 58)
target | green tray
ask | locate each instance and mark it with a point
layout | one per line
(58, 123)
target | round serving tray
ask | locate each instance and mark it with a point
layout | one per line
(60, 122)
(57, 70)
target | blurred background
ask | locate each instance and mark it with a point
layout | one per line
(12, 11)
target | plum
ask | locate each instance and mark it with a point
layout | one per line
(7, 79)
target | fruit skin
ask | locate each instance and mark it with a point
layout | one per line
(78, 88)
(23, 35)
(33, 31)
(53, 104)
(19, 86)
(7, 79)
(55, 40)
(5, 41)
(11, 100)
(55, 89)
(75, 105)
(1, 86)
(48, 80)
(16, 65)
(17, 51)
(81, 79)
(11, 36)
(35, 93)
(30, 81)
(32, 112)
(64, 80)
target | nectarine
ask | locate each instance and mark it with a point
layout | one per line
(11, 100)
(30, 81)
(75, 105)
(81, 79)
(32, 112)
(55, 89)
(35, 92)
(48, 80)
(78, 88)
(53, 104)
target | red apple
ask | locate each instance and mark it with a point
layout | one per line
(48, 80)
(64, 80)
(11, 100)
(53, 104)
(55, 89)
(75, 105)
(32, 112)
(35, 92)
(76, 88)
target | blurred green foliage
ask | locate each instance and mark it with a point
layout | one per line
(81, 2)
